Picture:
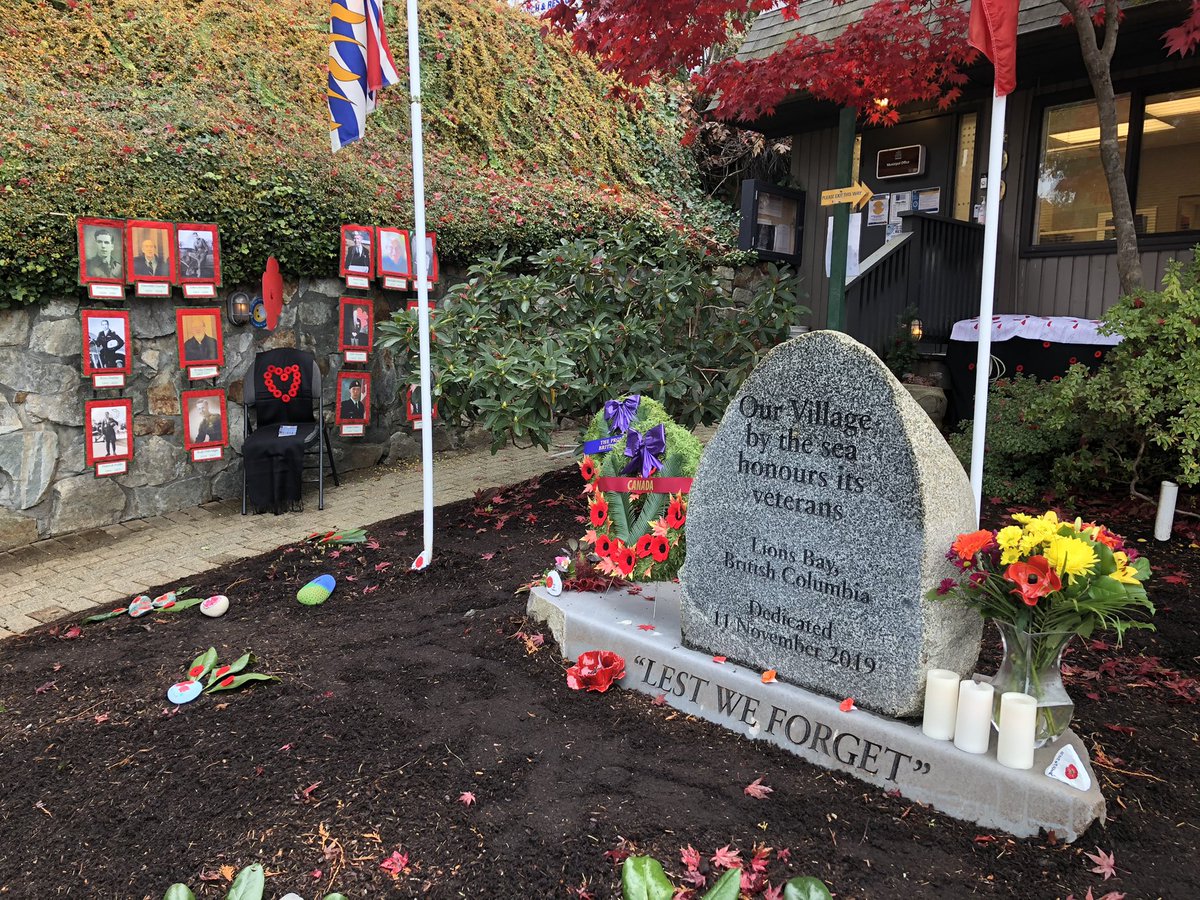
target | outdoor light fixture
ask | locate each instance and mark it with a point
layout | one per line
(916, 330)
(239, 307)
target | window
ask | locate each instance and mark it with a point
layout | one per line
(1073, 205)
(772, 221)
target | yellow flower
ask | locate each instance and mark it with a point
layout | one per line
(1008, 537)
(1125, 575)
(1071, 556)
(1010, 556)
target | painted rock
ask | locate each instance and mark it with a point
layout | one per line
(216, 605)
(164, 601)
(184, 692)
(316, 591)
(554, 584)
(140, 606)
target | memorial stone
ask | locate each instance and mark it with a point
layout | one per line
(819, 517)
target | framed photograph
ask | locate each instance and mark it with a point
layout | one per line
(354, 398)
(101, 252)
(431, 255)
(356, 328)
(358, 258)
(109, 434)
(201, 347)
(197, 254)
(150, 257)
(394, 256)
(205, 424)
(107, 356)
(412, 406)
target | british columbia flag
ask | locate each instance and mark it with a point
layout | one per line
(360, 65)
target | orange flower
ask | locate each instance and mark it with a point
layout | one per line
(968, 546)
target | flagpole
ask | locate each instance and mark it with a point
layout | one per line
(422, 278)
(991, 236)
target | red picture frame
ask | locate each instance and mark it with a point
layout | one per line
(403, 267)
(343, 397)
(431, 237)
(162, 234)
(93, 427)
(349, 266)
(198, 434)
(347, 335)
(185, 330)
(410, 412)
(197, 253)
(98, 345)
(90, 259)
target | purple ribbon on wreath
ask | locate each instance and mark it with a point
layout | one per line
(644, 451)
(620, 413)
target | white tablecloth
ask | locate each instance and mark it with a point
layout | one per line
(1056, 329)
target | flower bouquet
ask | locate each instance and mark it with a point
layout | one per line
(1043, 581)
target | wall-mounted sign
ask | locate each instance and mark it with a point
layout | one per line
(900, 162)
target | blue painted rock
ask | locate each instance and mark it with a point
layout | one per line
(140, 606)
(184, 692)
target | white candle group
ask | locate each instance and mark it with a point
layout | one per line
(1018, 720)
(941, 704)
(973, 721)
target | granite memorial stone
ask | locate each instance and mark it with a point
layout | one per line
(819, 517)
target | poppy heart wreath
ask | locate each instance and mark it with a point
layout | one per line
(290, 376)
(638, 536)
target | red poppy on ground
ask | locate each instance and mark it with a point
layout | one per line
(595, 670)
(1034, 579)
(599, 511)
(603, 546)
(660, 548)
(643, 545)
(587, 469)
(195, 671)
(220, 671)
(625, 558)
(227, 682)
(676, 512)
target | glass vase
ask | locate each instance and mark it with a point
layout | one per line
(1032, 664)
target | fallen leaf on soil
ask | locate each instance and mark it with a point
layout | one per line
(466, 798)
(847, 705)
(757, 789)
(784, 855)
(1176, 578)
(1106, 863)
(71, 633)
(316, 874)
(227, 872)
(768, 676)
(100, 719)
(719, 659)
(984, 838)
(660, 700)
(42, 688)
(690, 857)
(488, 556)
(379, 567)
(395, 864)
(306, 794)
(727, 858)
(286, 747)
(1123, 729)
(370, 589)
(372, 544)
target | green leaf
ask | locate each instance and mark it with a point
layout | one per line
(238, 681)
(249, 884)
(727, 887)
(202, 663)
(179, 892)
(181, 605)
(806, 888)
(100, 617)
(643, 878)
(220, 672)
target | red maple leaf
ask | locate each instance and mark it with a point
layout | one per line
(1176, 578)
(1122, 729)
(760, 860)
(1106, 863)
(395, 864)
(466, 798)
(690, 857)
(379, 567)
(488, 556)
(727, 858)
(645, 627)
(660, 700)
(757, 789)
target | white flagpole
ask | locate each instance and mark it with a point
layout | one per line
(422, 273)
(991, 236)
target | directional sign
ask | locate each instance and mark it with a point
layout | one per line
(856, 195)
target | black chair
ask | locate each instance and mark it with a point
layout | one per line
(282, 388)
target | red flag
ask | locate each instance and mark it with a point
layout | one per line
(993, 30)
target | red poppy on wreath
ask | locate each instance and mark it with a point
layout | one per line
(603, 546)
(587, 469)
(660, 548)
(595, 670)
(676, 512)
(643, 545)
(599, 511)
(624, 557)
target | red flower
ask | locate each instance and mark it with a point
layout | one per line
(599, 512)
(603, 546)
(227, 682)
(676, 512)
(643, 545)
(660, 548)
(1033, 579)
(624, 557)
(595, 670)
(221, 671)
(587, 469)
(195, 671)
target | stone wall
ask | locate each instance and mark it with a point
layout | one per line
(46, 487)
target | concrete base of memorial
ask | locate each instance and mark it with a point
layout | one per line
(886, 752)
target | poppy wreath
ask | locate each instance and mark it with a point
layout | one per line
(639, 537)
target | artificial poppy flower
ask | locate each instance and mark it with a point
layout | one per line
(676, 512)
(660, 548)
(625, 558)
(599, 511)
(595, 670)
(1034, 579)
(603, 546)
(643, 545)
(968, 546)
(587, 469)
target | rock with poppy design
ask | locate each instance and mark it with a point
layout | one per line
(818, 520)
(595, 670)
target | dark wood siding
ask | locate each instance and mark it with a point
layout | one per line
(814, 169)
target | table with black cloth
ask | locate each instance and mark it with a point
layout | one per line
(1044, 347)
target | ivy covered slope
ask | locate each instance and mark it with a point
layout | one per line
(215, 111)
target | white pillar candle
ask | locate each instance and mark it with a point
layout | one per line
(1018, 718)
(973, 721)
(941, 704)
(1168, 494)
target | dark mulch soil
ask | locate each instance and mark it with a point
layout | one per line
(405, 690)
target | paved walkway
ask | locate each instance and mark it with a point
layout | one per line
(53, 578)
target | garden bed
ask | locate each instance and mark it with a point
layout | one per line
(406, 690)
